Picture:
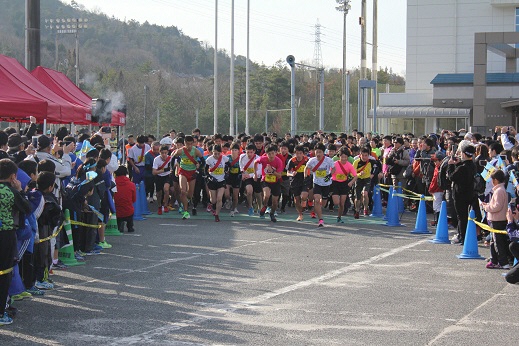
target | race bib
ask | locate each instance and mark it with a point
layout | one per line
(235, 170)
(341, 177)
(250, 170)
(218, 171)
(186, 161)
(301, 169)
(321, 173)
(140, 158)
(270, 178)
(284, 173)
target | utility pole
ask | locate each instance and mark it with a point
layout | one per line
(362, 22)
(374, 63)
(215, 125)
(145, 106)
(344, 6)
(247, 73)
(231, 103)
(32, 34)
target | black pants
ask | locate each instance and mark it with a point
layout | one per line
(129, 223)
(27, 270)
(461, 205)
(149, 183)
(87, 235)
(499, 244)
(8, 249)
(512, 276)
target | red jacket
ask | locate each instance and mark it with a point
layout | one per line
(124, 197)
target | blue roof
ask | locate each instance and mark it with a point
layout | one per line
(468, 78)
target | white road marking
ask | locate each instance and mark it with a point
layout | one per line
(219, 310)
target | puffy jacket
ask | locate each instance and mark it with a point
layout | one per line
(462, 176)
(124, 197)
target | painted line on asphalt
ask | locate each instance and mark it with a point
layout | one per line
(178, 224)
(220, 310)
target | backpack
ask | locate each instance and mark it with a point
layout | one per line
(479, 184)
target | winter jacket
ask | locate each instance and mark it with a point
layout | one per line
(462, 176)
(124, 197)
(497, 207)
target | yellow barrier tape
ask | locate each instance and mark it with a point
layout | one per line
(53, 235)
(7, 271)
(426, 198)
(396, 187)
(385, 190)
(384, 185)
(487, 227)
(412, 192)
(72, 222)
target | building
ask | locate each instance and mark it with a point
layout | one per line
(461, 68)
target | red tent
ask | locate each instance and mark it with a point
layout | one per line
(16, 103)
(59, 110)
(63, 86)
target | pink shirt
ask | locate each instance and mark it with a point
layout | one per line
(276, 163)
(339, 174)
(498, 205)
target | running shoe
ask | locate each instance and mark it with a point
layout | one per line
(78, 257)
(44, 285)
(59, 265)
(180, 210)
(262, 212)
(159, 211)
(209, 208)
(98, 247)
(5, 320)
(275, 213)
(166, 210)
(321, 223)
(366, 212)
(273, 218)
(232, 213)
(312, 215)
(227, 204)
(356, 215)
(95, 252)
(236, 211)
(251, 211)
(216, 218)
(35, 291)
(339, 220)
(194, 211)
(21, 296)
(105, 245)
(300, 218)
(131, 230)
(185, 215)
(267, 211)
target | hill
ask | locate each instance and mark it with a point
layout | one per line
(119, 58)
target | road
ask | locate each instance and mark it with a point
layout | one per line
(247, 281)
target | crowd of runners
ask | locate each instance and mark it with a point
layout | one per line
(94, 175)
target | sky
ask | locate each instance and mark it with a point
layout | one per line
(277, 27)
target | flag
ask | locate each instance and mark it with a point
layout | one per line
(512, 183)
(500, 163)
(487, 171)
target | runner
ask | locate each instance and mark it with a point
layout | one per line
(162, 171)
(149, 178)
(362, 166)
(187, 172)
(215, 166)
(271, 173)
(136, 158)
(343, 179)
(285, 157)
(248, 174)
(322, 168)
(233, 178)
(296, 169)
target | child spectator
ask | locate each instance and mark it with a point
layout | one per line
(124, 198)
(434, 189)
(13, 207)
(49, 221)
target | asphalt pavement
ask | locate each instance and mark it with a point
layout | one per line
(248, 281)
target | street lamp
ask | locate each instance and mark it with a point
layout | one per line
(68, 26)
(344, 6)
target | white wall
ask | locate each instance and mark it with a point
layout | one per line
(440, 37)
